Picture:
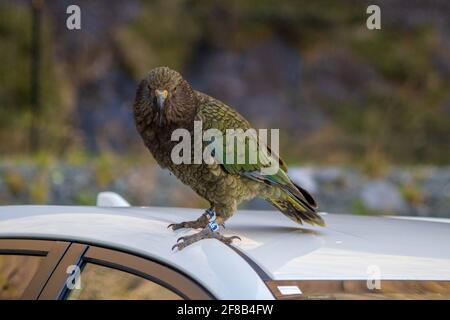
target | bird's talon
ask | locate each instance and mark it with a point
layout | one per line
(180, 239)
(229, 240)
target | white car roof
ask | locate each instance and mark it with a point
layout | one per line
(349, 247)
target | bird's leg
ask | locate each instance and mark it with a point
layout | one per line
(200, 223)
(209, 232)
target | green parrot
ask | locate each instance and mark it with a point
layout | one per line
(166, 102)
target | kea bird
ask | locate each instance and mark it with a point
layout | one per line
(165, 102)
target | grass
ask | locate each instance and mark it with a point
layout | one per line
(413, 194)
(15, 182)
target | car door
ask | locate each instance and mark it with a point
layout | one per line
(69, 270)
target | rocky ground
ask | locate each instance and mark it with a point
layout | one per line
(419, 191)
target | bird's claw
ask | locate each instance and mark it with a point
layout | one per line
(180, 239)
(206, 233)
(196, 224)
(234, 237)
(178, 244)
(175, 226)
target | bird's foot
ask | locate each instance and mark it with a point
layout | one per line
(200, 223)
(206, 233)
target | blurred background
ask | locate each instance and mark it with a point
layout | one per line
(364, 115)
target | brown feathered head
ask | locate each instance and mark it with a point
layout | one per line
(165, 97)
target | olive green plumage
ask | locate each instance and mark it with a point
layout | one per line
(225, 186)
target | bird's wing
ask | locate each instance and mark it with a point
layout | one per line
(295, 202)
(215, 114)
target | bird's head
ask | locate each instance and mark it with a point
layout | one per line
(169, 98)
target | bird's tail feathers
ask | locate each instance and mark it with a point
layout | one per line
(298, 205)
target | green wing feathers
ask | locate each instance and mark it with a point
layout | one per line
(295, 202)
(217, 115)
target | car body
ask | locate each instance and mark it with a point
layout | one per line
(352, 257)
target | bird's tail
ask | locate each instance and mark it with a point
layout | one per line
(297, 204)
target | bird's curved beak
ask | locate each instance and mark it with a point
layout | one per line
(161, 96)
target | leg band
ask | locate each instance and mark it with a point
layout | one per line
(213, 226)
(211, 214)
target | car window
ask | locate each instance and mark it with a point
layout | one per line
(100, 283)
(16, 272)
(360, 289)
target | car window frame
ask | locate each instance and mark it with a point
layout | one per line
(52, 252)
(79, 254)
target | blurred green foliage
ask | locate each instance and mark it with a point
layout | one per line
(15, 182)
(400, 121)
(151, 38)
(14, 83)
(413, 194)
